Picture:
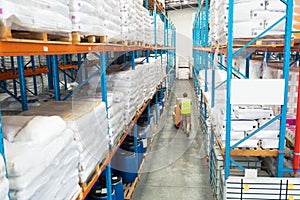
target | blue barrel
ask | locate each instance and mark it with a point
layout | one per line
(125, 164)
(100, 193)
(118, 186)
(144, 142)
(128, 145)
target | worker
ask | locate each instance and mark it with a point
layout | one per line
(186, 110)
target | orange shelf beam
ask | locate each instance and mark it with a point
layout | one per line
(9, 74)
(36, 48)
(68, 66)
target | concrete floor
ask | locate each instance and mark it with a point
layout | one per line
(175, 167)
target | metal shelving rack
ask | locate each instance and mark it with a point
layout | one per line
(54, 50)
(204, 54)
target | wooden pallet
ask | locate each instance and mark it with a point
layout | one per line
(120, 42)
(262, 42)
(136, 43)
(130, 187)
(255, 151)
(78, 37)
(159, 6)
(7, 34)
(77, 195)
(85, 184)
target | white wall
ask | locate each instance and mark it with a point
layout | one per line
(183, 21)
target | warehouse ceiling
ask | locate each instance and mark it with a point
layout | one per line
(180, 4)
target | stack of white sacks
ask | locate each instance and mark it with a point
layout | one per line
(159, 31)
(112, 20)
(129, 83)
(33, 15)
(4, 185)
(170, 33)
(130, 88)
(87, 18)
(140, 20)
(250, 19)
(136, 23)
(42, 157)
(148, 28)
(91, 138)
(128, 20)
(115, 115)
(149, 77)
(244, 119)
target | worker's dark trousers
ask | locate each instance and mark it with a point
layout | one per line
(186, 122)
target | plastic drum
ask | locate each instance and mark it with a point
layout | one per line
(118, 186)
(100, 193)
(125, 163)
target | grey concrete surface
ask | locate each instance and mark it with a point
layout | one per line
(175, 167)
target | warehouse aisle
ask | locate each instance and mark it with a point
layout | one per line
(176, 167)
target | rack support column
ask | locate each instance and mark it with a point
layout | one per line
(56, 77)
(34, 77)
(22, 82)
(14, 80)
(229, 77)
(286, 69)
(103, 63)
(156, 108)
(50, 74)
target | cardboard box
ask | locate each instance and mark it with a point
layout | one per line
(177, 114)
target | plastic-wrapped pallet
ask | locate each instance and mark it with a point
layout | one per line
(39, 16)
(148, 28)
(91, 138)
(159, 31)
(4, 185)
(41, 155)
(86, 17)
(140, 21)
(115, 115)
(253, 112)
(129, 83)
(112, 20)
(128, 20)
(250, 19)
(183, 73)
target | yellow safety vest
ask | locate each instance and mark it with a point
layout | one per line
(186, 106)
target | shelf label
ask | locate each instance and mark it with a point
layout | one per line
(90, 48)
(104, 191)
(98, 191)
(291, 186)
(45, 48)
(246, 187)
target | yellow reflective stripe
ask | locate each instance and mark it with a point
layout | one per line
(186, 106)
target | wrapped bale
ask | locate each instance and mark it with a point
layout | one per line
(36, 16)
(40, 154)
